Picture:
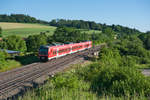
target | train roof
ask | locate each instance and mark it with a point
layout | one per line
(60, 44)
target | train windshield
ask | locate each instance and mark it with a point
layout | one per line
(43, 51)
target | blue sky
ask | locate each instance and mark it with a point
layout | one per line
(131, 13)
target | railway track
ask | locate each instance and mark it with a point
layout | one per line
(16, 78)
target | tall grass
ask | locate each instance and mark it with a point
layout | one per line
(48, 92)
(8, 65)
(75, 84)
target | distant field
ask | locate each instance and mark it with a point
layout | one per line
(24, 30)
(89, 31)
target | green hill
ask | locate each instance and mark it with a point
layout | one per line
(23, 29)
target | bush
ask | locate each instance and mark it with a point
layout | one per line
(120, 81)
(66, 81)
(88, 73)
(2, 56)
(128, 61)
(117, 75)
(109, 57)
(144, 60)
(27, 59)
(14, 43)
(2, 59)
(132, 51)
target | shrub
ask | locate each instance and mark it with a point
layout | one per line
(2, 56)
(14, 43)
(109, 57)
(120, 81)
(128, 61)
(69, 81)
(88, 73)
(2, 59)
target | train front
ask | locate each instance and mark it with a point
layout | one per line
(43, 53)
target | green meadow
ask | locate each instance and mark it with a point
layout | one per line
(24, 30)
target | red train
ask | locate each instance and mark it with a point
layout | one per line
(54, 50)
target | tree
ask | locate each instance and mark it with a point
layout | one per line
(109, 32)
(148, 32)
(60, 34)
(64, 34)
(49, 39)
(53, 22)
(146, 39)
(148, 42)
(14, 43)
(20, 18)
(85, 36)
(35, 41)
(0, 32)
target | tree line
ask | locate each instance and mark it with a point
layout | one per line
(145, 39)
(81, 24)
(20, 18)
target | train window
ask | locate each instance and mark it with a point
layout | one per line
(76, 47)
(43, 51)
(64, 50)
(61, 50)
(68, 49)
(87, 45)
(54, 52)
